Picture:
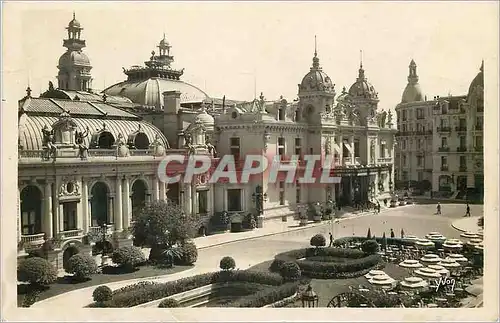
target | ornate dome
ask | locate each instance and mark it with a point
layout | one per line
(74, 58)
(362, 88)
(316, 79)
(206, 119)
(150, 91)
(477, 83)
(412, 92)
(74, 23)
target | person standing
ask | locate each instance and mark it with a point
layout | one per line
(467, 212)
(438, 209)
(331, 240)
(378, 207)
(392, 234)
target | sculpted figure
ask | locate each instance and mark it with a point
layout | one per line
(79, 140)
(48, 143)
(210, 147)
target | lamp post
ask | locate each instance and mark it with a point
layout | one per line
(259, 197)
(310, 298)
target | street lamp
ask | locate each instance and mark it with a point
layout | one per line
(310, 298)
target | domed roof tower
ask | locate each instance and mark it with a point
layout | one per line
(476, 87)
(74, 66)
(316, 92)
(412, 92)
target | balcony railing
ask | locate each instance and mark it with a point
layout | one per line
(384, 160)
(479, 127)
(443, 129)
(461, 149)
(461, 129)
(444, 168)
(462, 168)
(478, 148)
(70, 234)
(98, 230)
(444, 149)
(420, 117)
(97, 153)
(33, 239)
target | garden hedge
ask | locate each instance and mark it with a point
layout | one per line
(143, 292)
(82, 266)
(266, 296)
(355, 262)
(36, 271)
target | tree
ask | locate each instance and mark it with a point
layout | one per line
(384, 242)
(161, 225)
(128, 256)
(370, 246)
(36, 271)
(82, 266)
(290, 271)
(227, 263)
(102, 294)
(189, 253)
(369, 234)
(318, 240)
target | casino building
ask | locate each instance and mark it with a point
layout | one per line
(88, 160)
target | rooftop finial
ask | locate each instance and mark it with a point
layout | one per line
(74, 16)
(315, 47)
(360, 58)
(482, 66)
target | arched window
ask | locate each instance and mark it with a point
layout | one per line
(281, 114)
(141, 141)
(106, 140)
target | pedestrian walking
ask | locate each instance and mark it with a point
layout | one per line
(438, 208)
(467, 212)
(385, 202)
(392, 234)
(331, 240)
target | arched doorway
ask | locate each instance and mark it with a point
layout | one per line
(106, 140)
(67, 254)
(99, 204)
(139, 192)
(31, 210)
(445, 183)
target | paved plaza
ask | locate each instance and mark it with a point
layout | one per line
(414, 219)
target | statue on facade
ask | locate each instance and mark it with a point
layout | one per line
(157, 146)
(389, 118)
(189, 144)
(210, 147)
(51, 86)
(121, 146)
(48, 143)
(381, 119)
(79, 140)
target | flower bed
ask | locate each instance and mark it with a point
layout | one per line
(144, 292)
(355, 262)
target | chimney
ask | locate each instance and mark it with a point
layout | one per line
(171, 102)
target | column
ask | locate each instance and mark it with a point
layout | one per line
(127, 207)
(48, 217)
(353, 153)
(155, 189)
(118, 205)
(194, 199)
(85, 206)
(110, 218)
(162, 191)
(19, 231)
(188, 199)
(61, 216)
(57, 210)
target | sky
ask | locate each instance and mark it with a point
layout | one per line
(226, 46)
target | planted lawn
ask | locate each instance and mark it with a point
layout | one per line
(109, 275)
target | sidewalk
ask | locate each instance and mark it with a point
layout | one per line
(82, 297)
(468, 224)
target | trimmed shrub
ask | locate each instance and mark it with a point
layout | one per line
(30, 298)
(37, 271)
(318, 240)
(290, 271)
(354, 262)
(143, 292)
(227, 263)
(267, 296)
(370, 247)
(102, 294)
(128, 256)
(189, 253)
(82, 266)
(169, 303)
